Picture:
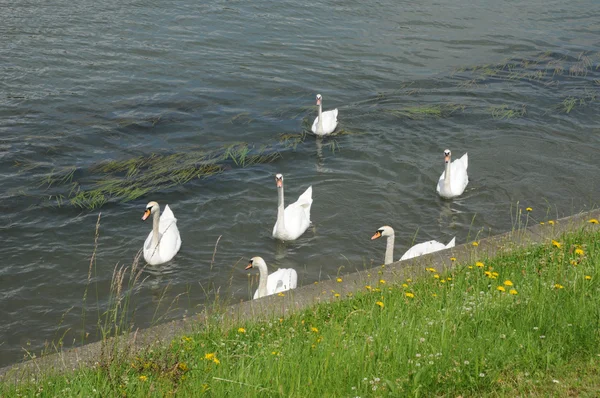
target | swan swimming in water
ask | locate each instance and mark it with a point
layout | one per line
(279, 281)
(163, 242)
(415, 251)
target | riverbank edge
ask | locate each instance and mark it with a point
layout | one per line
(301, 298)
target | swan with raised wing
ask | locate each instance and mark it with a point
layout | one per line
(454, 178)
(163, 242)
(294, 220)
(326, 122)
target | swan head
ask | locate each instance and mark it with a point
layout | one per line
(279, 181)
(319, 99)
(255, 262)
(383, 231)
(151, 208)
(447, 155)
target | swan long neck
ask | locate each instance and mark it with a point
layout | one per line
(320, 123)
(389, 249)
(447, 174)
(155, 221)
(262, 282)
(280, 209)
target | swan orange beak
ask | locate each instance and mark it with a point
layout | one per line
(377, 235)
(319, 102)
(146, 214)
(279, 183)
(446, 159)
(249, 266)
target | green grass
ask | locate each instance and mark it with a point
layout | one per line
(448, 334)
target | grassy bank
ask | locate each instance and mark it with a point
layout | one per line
(523, 323)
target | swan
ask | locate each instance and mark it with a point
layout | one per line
(295, 219)
(326, 122)
(163, 242)
(454, 179)
(279, 281)
(415, 251)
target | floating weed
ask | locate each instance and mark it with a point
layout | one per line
(427, 111)
(129, 179)
(505, 112)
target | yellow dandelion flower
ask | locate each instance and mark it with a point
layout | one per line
(209, 356)
(241, 330)
(143, 378)
(382, 281)
(408, 280)
(555, 243)
(430, 269)
(316, 282)
(442, 281)
(339, 280)
(494, 275)
(508, 283)
(579, 252)
(542, 223)
(513, 292)
(314, 329)
(336, 295)
(558, 286)
(574, 263)
(551, 222)
(470, 267)
(593, 221)
(404, 285)
(434, 295)
(449, 278)
(409, 295)
(479, 264)
(452, 259)
(273, 352)
(528, 209)
(377, 289)
(368, 287)
(588, 277)
(488, 274)
(501, 288)
(380, 303)
(436, 276)
(475, 244)
(182, 366)
(281, 294)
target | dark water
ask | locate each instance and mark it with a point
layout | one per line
(515, 85)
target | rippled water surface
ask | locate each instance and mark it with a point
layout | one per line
(100, 99)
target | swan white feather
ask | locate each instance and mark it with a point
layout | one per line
(163, 242)
(454, 178)
(279, 281)
(326, 122)
(295, 219)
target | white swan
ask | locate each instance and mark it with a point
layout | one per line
(326, 122)
(295, 219)
(279, 281)
(454, 179)
(415, 251)
(163, 242)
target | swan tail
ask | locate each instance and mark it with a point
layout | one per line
(451, 243)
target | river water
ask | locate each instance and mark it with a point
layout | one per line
(83, 84)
